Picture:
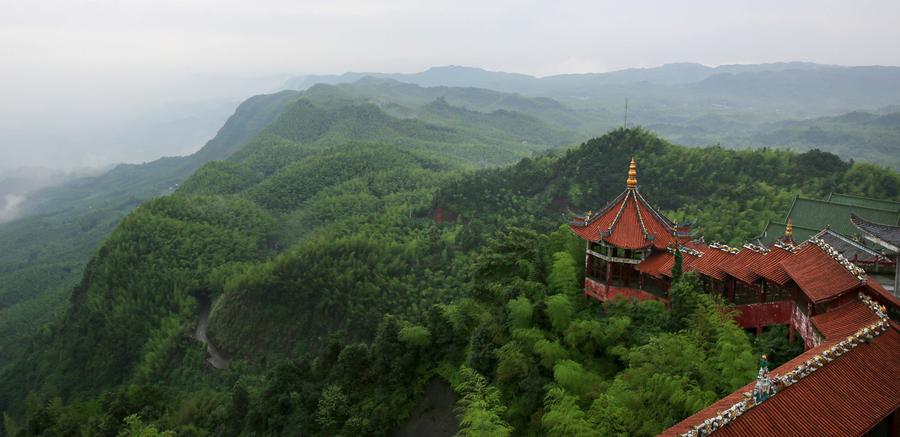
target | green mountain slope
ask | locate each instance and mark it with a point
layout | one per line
(337, 297)
(303, 151)
(857, 135)
(309, 222)
(768, 105)
(728, 192)
(498, 124)
(477, 99)
(64, 225)
(44, 252)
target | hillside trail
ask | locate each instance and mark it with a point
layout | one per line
(215, 359)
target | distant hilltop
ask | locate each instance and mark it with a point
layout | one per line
(802, 88)
(455, 75)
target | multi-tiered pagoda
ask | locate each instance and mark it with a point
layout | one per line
(621, 235)
(631, 253)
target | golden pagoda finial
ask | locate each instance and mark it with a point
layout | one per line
(789, 229)
(632, 174)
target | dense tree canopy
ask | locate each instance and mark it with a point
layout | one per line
(338, 298)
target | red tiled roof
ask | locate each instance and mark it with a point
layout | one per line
(819, 275)
(654, 264)
(742, 265)
(687, 260)
(712, 261)
(839, 323)
(627, 231)
(769, 266)
(660, 264)
(847, 396)
(629, 222)
(879, 293)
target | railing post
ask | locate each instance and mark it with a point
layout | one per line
(609, 265)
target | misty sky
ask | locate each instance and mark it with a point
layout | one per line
(75, 76)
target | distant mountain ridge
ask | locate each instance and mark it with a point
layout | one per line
(688, 117)
(455, 75)
(859, 135)
(791, 88)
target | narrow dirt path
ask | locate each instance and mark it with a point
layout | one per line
(215, 359)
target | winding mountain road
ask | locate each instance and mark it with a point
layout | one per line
(215, 359)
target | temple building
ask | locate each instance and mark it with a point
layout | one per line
(810, 216)
(830, 220)
(631, 252)
(830, 303)
(624, 233)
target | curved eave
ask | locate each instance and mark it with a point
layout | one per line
(629, 222)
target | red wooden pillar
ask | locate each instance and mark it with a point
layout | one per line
(729, 290)
(761, 298)
(609, 265)
(791, 331)
(588, 267)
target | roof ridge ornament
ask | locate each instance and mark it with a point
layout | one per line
(632, 175)
(723, 247)
(619, 213)
(684, 249)
(854, 270)
(792, 248)
(755, 248)
(637, 208)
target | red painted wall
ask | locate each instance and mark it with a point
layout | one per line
(441, 215)
(602, 292)
(764, 314)
(804, 327)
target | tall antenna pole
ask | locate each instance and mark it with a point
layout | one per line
(626, 114)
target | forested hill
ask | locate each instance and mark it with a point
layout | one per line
(338, 298)
(796, 106)
(729, 193)
(305, 161)
(865, 136)
(45, 252)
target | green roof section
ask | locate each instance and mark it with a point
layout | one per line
(809, 216)
(865, 202)
(821, 214)
(775, 230)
